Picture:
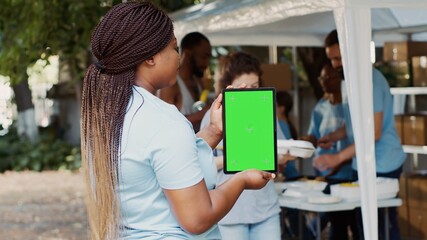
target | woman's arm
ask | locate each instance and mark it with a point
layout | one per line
(310, 138)
(332, 161)
(327, 140)
(198, 209)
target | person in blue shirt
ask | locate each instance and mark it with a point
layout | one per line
(148, 175)
(389, 153)
(284, 104)
(326, 117)
(256, 214)
(287, 130)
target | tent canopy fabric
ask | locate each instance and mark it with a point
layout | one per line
(294, 23)
(306, 22)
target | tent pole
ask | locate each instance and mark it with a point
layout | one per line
(295, 94)
(272, 54)
(295, 87)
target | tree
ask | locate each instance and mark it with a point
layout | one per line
(15, 56)
(173, 5)
(313, 59)
(32, 30)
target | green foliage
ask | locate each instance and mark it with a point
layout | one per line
(32, 30)
(285, 55)
(18, 154)
(173, 5)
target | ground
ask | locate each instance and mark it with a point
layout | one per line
(43, 206)
(47, 205)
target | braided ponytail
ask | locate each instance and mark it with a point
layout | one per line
(128, 34)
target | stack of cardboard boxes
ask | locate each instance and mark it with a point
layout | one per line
(419, 71)
(413, 212)
(412, 128)
(277, 76)
(413, 56)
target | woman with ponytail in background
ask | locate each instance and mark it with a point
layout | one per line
(148, 175)
(256, 215)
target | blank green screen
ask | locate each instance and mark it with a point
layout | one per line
(249, 126)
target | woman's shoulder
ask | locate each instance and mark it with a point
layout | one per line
(156, 105)
(147, 108)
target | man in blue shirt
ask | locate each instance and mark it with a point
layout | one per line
(326, 117)
(389, 153)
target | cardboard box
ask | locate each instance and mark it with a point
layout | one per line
(403, 220)
(417, 191)
(397, 73)
(277, 75)
(403, 51)
(403, 186)
(403, 211)
(419, 71)
(415, 130)
(398, 119)
(417, 223)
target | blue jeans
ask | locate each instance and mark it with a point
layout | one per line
(394, 231)
(267, 229)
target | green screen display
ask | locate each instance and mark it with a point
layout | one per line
(249, 125)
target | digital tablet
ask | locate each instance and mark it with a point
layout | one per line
(249, 127)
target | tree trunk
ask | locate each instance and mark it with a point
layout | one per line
(26, 122)
(313, 60)
(69, 104)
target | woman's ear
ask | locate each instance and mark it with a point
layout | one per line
(150, 61)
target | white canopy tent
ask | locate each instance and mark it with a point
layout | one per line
(293, 22)
(305, 23)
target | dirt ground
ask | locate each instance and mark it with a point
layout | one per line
(43, 206)
(47, 205)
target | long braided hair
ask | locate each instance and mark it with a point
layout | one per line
(127, 35)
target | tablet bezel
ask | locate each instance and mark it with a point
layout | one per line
(224, 124)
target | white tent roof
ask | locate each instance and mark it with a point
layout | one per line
(306, 22)
(291, 23)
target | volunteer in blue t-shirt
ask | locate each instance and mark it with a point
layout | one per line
(328, 116)
(389, 153)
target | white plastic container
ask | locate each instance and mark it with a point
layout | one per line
(297, 148)
(386, 188)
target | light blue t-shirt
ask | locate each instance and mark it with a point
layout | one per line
(326, 118)
(389, 153)
(283, 132)
(159, 150)
(253, 206)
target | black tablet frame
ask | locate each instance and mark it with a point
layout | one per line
(224, 117)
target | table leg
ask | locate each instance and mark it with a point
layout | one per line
(300, 225)
(318, 230)
(386, 224)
